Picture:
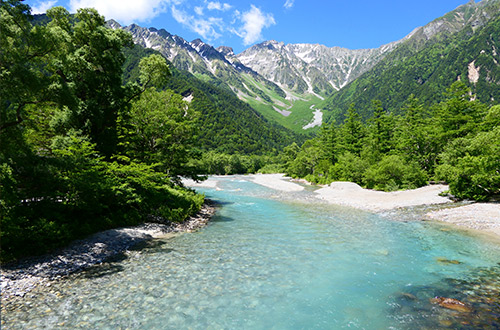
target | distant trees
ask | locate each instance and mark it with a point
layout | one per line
(455, 140)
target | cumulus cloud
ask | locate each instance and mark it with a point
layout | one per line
(254, 21)
(289, 4)
(207, 28)
(126, 11)
(42, 6)
(216, 5)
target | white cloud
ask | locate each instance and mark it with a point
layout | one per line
(254, 21)
(125, 11)
(42, 6)
(216, 5)
(198, 11)
(289, 4)
(204, 27)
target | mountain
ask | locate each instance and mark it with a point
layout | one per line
(220, 68)
(462, 44)
(287, 83)
(282, 82)
(311, 68)
(201, 60)
(227, 124)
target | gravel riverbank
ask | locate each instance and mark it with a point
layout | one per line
(21, 277)
(483, 217)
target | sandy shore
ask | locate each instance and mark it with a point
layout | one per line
(484, 217)
(19, 278)
(211, 182)
(352, 195)
(276, 182)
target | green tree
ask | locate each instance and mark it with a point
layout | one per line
(380, 130)
(162, 131)
(328, 139)
(349, 167)
(393, 173)
(306, 160)
(416, 136)
(24, 52)
(471, 165)
(492, 119)
(353, 132)
(87, 66)
(459, 114)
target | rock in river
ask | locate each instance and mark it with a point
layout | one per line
(451, 303)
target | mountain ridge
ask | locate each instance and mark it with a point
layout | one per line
(451, 47)
(286, 98)
(283, 81)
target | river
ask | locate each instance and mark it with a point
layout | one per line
(272, 260)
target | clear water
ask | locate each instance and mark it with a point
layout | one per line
(265, 262)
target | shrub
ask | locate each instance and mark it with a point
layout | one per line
(393, 173)
(471, 166)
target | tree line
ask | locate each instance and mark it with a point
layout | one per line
(456, 140)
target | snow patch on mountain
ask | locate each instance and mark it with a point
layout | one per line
(317, 119)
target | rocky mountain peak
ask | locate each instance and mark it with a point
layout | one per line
(206, 51)
(226, 51)
(270, 45)
(113, 24)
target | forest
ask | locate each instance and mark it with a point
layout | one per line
(80, 151)
(456, 141)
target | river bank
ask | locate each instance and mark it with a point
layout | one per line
(480, 217)
(21, 277)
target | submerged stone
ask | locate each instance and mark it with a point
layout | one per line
(451, 303)
(408, 296)
(445, 261)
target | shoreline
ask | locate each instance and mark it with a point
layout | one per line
(352, 195)
(276, 181)
(479, 218)
(20, 277)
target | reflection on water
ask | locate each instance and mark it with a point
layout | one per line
(267, 261)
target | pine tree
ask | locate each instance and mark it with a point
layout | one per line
(353, 132)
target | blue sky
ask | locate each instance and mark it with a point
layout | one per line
(351, 24)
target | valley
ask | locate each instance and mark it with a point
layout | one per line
(280, 81)
(287, 185)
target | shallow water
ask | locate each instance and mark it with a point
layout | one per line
(268, 261)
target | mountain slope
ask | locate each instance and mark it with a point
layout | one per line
(463, 44)
(227, 124)
(219, 68)
(310, 68)
(282, 82)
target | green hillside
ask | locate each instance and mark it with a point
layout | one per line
(227, 124)
(425, 69)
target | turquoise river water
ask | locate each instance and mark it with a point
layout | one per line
(271, 260)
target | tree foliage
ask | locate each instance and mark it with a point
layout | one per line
(79, 150)
(455, 140)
